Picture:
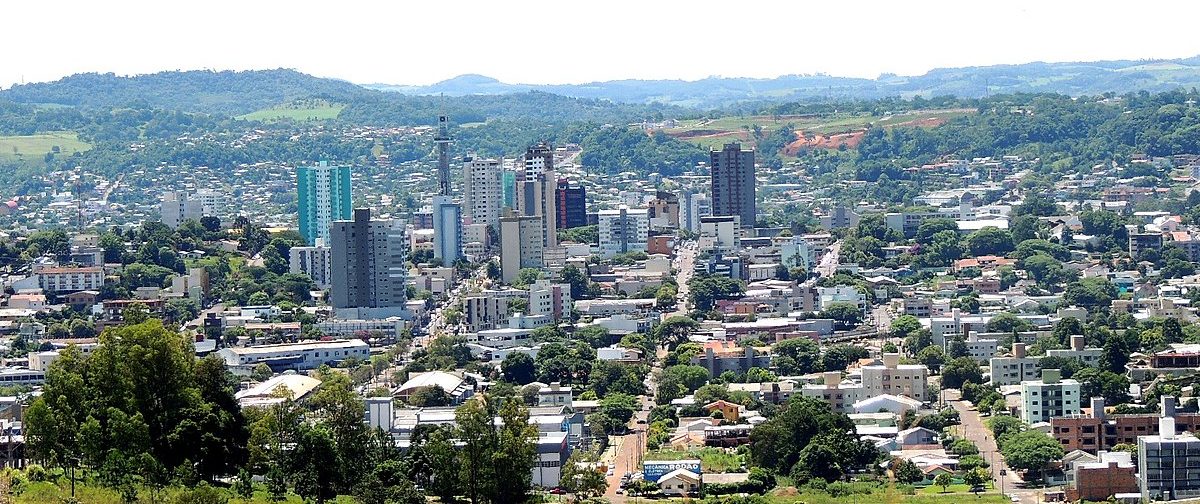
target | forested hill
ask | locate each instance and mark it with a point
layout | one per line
(227, 92)
(1087, 78)
(231, 93)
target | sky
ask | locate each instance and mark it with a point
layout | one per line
(569, 41)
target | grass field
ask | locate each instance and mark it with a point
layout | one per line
(715, 132)
(33, 148)
(303, 110)
(711, 459)
(42, 492)
(888, 495)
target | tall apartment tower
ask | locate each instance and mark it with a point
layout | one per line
(733, 183)
(520, 245)
(481, 191)
(447, 230)
(315, 261)
(324, 196)
(368, 257)
(178, 206)
(536, 187)
(443, 147)
(570, 205)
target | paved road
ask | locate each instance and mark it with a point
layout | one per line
(829, 262)
(685, 263)
(973, 429)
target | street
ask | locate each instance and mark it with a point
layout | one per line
(972, 428)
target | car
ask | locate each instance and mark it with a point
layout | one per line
(610, 471)
(620, 491)
(557, 491)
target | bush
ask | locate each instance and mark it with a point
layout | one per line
(202, 494)
(36, 473)
(906, 489)
(839, 489)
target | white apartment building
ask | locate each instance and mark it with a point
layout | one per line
(178, 206)
(1014, 369)
(315, 261)
(481, 191)
(623, 230)
(841, 294)
(69, 279)
(521, 245)
(840, 395)
(720, 234)
(892, 377)
(1049, 397)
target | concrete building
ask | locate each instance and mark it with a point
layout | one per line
(1014, 369)
(315, 261)
(537, 188)
(733, 183)
(178, 206)
(1169, 464)
(722, 356)
(693, 206)
(720, 234)
(570, 205)
(69, 279)
(550, 299)
(892, 377)
(1049, 397)
(664, 210)
(368, 268)
(623, 230)
(323, 196)
(481, 191)
(840, 217)
(840, 395)
(298, 356)
(1097, 430)
(447, 230)
(521, 245)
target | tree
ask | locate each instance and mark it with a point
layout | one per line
(1090, 293)
(931, 227)
(905, 325)
(943, 480)
(1008, 322)
(932, 357)
(527, 276)
(839, 357)
(578, 281)
(777, 443)
(976, 477)
(1115, 354)
(1004, 426)
(518, 368)
(1113, 387)
(907, 472)
(990, 241)
(705, 289)
(315, 464)
(1031, 451)
(846, 315)
(959, 371)
(581, 477)
(429, 397)
(515, 455)
(675, 330)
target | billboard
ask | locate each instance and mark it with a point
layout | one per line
(652, 470)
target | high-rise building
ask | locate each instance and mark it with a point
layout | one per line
(508, 189)
(447, 230)
(323, 197)
(570, 205)
(664, 210)
(733, 183)
(315, 261)
(443, 148)
(178, 206)
(481, 191)
(536, 188)
(692, 207)
(1049, 397)
(520, 245)
(368, 256)
(623, 230)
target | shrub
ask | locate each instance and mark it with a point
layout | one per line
(36, 473)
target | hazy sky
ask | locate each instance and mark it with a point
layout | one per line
(569, 41)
